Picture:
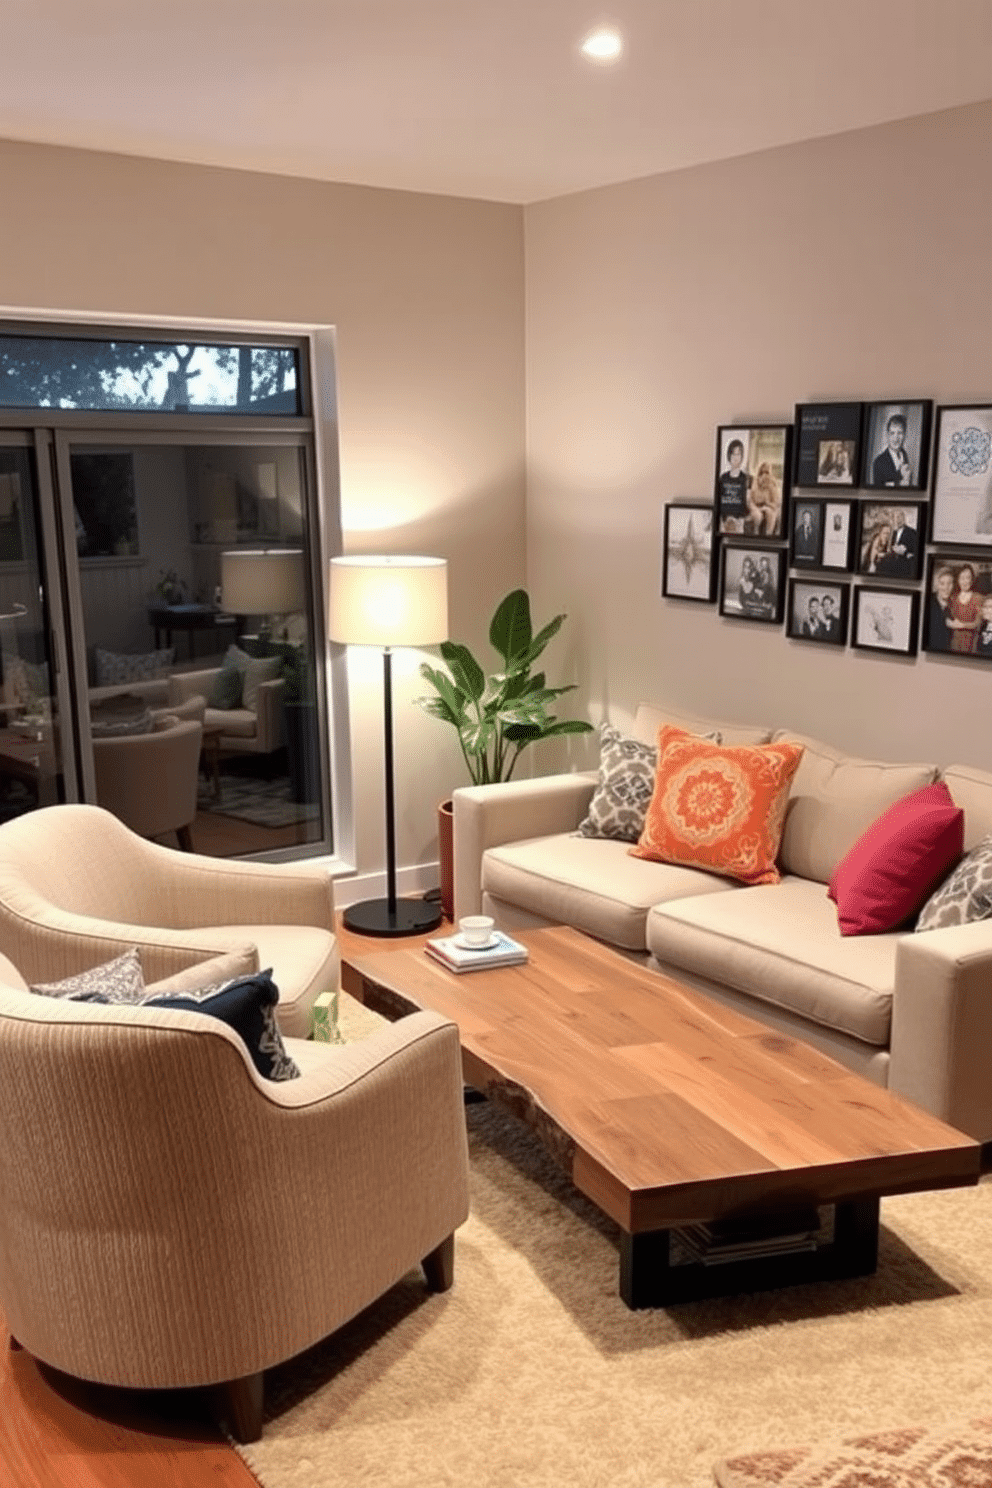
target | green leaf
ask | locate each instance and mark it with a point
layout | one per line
(438, 708)
(510, 631)
(569, 726)
(465, 670)
(542, 638)
(445, 688)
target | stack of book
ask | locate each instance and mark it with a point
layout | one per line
(738, 1240)
(456, 954)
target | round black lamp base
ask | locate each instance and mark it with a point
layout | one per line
(374, 917)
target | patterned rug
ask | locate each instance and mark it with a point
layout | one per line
(951, 1457)
(264, 803)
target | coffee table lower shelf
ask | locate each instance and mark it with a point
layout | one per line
(649, 1278)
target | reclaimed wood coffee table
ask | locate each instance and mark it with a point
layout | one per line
(668, 1111)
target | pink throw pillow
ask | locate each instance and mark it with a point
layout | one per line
(896, 864)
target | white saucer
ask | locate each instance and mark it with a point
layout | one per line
(476, 945)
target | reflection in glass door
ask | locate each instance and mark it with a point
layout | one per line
(31, 741)
(191, 600)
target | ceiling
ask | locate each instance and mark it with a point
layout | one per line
(482, 98)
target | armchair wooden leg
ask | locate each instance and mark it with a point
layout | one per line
(185, 838)
(439, 1266)
(239, 1406)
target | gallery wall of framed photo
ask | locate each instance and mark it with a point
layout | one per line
(842, 526)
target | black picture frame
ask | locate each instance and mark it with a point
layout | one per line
(938, 637)
(752, 582)
(828, 444)
(689, 551)
(885, 619)
(751, 490)
(822, 533)
(891, 538)
(897, 445)
(803, 623)
(961, 507)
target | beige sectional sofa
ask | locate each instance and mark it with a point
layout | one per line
(910, 1011)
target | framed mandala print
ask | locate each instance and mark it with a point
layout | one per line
(688, 561)
(962, 483)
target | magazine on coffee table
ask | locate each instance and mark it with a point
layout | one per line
(454, 952)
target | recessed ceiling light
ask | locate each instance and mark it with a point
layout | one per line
(603, 45)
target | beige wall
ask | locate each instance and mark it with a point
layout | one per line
(850, 267)
(426, 294)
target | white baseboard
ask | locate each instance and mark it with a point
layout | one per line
(409, 883)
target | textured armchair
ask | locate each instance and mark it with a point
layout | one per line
(169, 1218)
(77, 883)
(256, 729)
(149, 781)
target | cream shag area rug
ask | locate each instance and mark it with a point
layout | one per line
(531, 1373)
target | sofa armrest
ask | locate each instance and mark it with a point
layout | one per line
(489, 815)
(271, 727)
(186, 685)
(942, 1025)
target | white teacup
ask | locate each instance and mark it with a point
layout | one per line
(476, 929)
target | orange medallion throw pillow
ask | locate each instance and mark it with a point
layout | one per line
(718, 807)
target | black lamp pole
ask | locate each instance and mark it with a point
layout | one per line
(391, 916)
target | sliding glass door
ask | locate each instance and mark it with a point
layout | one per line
(32, 771)
(161, 611)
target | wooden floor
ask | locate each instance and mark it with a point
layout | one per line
(57, 1432)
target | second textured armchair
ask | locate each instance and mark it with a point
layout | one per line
(76, 882)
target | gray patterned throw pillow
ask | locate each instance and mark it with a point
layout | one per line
(623, 790)
(119, 980)
(965, 896)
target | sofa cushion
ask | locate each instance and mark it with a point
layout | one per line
(225, 690)
(972, 791)
(649, 719)
(780, 943)
(623, 787)
(834, 798)
(895, 865)
(239, 723)
(305, 958)
(590, 883)
(248, 1006)
(119, 980)
(718, 807)
(965, 896)
(259, 669)
(112, 668)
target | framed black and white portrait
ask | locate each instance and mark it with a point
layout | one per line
(822, 533)
(890, 539)
(957, 618)
(688, 564)
(897, 445)
(753, 472)
(817, 611)
(752, 582)
(885, 620)
(962, 476)
(828, 444)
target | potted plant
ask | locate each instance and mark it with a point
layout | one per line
(499, 715)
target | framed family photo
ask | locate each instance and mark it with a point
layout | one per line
(818, 612)
(688, 564)
(890, 539)
(962, 478)
(753, 473)
(828, 444)
(821, 533)
(752, 583)
(958, 616)
(897, 445)
(885, 620)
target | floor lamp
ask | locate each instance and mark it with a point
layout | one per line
(389, 602)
